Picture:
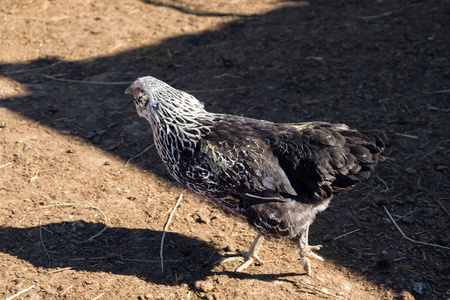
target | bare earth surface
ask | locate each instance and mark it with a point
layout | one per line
(81, 219)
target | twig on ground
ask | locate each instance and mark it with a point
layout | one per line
(409, 239)
(66, 290)
(345, 234)
(21, 292)
(82, 204)
(411, 212)
(365, 18)
(60, 270)
(443, 207)
(145, 150)
(149, 261)
(164, 231)
(42, 242)
(35, 176)
(439, 92)
(324, 291)
(89, 82)
(33, 70)
(9, 190)
(385, 184)
(98, 296)
(410, 136)
(104, 228)
(227, 75)
(7, 164)
(216, 90)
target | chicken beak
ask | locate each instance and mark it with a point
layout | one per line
(129, 91)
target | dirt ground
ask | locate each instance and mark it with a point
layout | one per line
(83, 201)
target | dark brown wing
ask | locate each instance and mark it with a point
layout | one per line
(240, 160)
(261, 161)
(322, 158)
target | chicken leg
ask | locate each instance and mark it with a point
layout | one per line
(247, 257)
(305, 251)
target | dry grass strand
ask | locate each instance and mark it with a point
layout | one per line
(7, 164)
(345, 234)
(145, 150)
(90, 205)
(409, 239)
(165, 229)
(21, 292)
(42, 242)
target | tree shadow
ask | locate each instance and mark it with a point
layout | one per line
(290, 64)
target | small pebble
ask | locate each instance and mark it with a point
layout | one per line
(321, 280)
(441, 168)
(306, 281)
(405, 295)
(203, 216)
(364, 218)
(229, 248)
(418, 287)
(443, 242)
(227, 63)
(380, 201)
(344, 286)
(16, 211)
(407, 220)
(76, 225)
(410, 199)
(411, 170)
(431, 107)
(327, 238)
(204, 286)
(89, 134)
(149, 296)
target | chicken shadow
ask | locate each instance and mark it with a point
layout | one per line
(117, 250)
(239, 68)
(87, 246)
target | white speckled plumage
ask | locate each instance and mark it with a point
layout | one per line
(276, 176)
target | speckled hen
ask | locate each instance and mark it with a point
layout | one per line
(277, 176)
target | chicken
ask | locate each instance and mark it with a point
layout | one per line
(276, 176)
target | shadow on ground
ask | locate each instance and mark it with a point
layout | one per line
(316, 62)
(77, 246)
(118, 250)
